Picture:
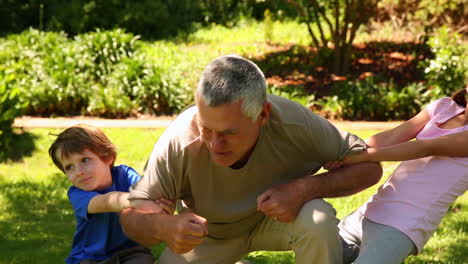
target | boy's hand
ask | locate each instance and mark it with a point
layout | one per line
(147, 205)
(167, 205)
(159, 206)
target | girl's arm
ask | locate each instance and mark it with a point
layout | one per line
(453, 145)
(402, 133)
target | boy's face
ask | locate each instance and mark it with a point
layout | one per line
(86, 170)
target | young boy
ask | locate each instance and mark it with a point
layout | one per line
(99, 192)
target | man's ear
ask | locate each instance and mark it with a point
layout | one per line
(265, 113)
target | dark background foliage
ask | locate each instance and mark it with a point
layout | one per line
(152, 19)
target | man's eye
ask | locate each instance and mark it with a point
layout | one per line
(206, 131)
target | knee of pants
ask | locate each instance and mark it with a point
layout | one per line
(317, 218)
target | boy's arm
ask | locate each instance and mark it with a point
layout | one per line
(109, 202)
(159, 206)
(117, 201)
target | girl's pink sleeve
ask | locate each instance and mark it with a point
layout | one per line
(434, 107)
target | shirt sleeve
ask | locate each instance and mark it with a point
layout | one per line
(323, 139)
(435, 106)
(79, 200)
(164, 170)
(132, 176)
(158, 179)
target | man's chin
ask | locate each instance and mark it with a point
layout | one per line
(222, 160)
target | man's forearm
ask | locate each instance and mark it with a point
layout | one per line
(340, 182)
(140, 226)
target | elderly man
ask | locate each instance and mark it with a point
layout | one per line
(242, 161)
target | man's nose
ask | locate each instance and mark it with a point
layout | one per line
(217, 142)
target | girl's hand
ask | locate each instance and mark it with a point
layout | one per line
(331, 165)
(356, 157)
(352, 158)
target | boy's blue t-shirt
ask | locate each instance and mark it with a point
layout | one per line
(99, 236)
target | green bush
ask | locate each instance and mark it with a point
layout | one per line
(448, 70)
(101, 73)
(292, 92)
(10, 108)
(23, 55)
(155, 89)
(370, 99)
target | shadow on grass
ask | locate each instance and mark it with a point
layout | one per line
(452, 247)
(304, 67)
(36, 219)
(21, 144)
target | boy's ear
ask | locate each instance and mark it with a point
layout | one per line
(108, 160)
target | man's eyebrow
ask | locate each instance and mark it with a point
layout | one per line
(226, 131)
(230, 130)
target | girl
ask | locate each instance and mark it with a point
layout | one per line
(401, 217)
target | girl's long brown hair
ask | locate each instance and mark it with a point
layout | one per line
(460, 97)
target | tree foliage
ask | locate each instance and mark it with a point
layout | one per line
(149, 18)
(429, 14)
(335, 24)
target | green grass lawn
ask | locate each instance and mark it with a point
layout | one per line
(37, 223)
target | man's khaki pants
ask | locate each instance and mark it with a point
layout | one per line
(313, 237)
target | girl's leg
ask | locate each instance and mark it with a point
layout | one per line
(383, 244)
(351, 235)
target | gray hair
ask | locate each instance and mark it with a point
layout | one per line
(230, 78)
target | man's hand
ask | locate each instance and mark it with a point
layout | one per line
(184, 232)
(181, 232)
(282, 202)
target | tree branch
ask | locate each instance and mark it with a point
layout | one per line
(311, 32)
(327, 20)
(316, 11)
